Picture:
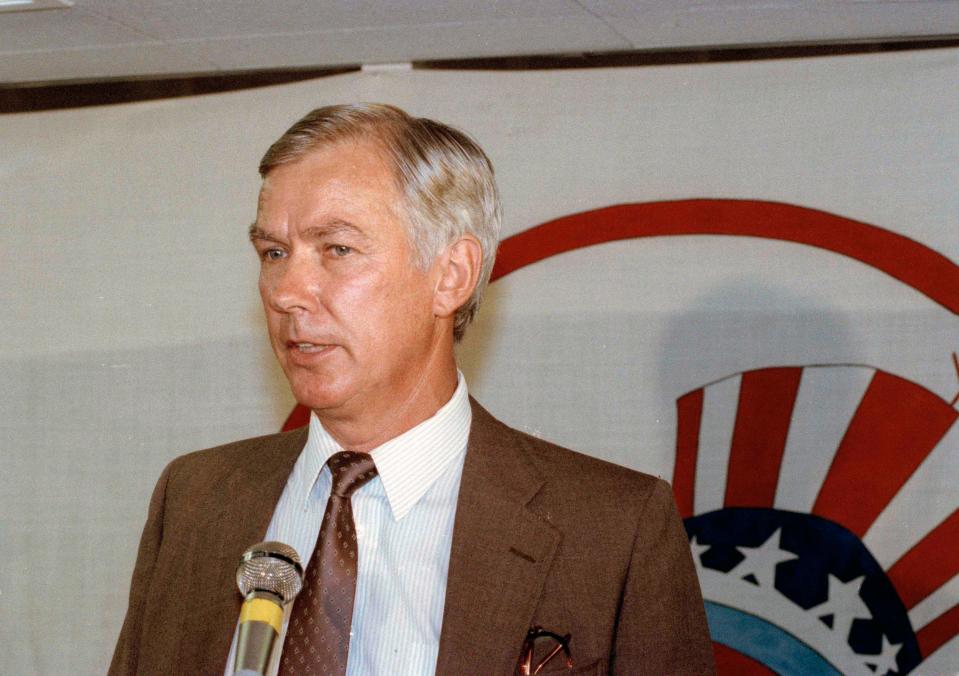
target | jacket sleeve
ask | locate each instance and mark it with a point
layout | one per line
(662, 626)
(126, 654)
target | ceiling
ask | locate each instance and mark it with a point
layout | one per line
(104, 39)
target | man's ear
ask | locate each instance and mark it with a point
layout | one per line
(458, 270)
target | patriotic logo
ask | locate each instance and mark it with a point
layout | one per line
(810, 499)
(812, 495)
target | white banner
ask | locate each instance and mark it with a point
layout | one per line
(744, 279)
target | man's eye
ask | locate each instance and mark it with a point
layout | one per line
(273, 254)
(341, 250)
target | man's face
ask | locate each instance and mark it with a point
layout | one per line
(349, 314)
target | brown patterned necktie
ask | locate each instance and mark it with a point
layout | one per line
(318, 636)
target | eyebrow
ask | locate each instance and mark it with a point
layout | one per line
(256, 232)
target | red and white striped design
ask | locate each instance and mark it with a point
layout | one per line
(871, 451)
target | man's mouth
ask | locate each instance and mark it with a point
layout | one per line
(307, 347)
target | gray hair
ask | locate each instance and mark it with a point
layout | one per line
(445, 177)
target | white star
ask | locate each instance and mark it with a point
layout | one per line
(885, 661)
(761, 561)
(844, 604)
(698, 550)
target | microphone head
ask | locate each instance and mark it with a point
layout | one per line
(270, 567)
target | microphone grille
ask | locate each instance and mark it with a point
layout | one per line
(271, 567)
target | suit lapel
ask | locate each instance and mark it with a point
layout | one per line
(500, 556)
(237, 516)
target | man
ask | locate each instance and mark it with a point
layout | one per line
(376, 233)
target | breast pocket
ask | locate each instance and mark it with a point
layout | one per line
(593, 669)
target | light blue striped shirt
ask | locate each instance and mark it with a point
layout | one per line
(404, 526)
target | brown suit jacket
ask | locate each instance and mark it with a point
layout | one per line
(543, 536)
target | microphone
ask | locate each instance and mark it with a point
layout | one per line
(269, 576)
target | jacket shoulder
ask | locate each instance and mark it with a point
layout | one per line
(256, 457)
(554, 459)
(574, 484)
(578, 472)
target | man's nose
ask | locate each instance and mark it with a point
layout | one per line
(293, 285)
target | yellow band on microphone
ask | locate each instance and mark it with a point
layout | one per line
(262, 610)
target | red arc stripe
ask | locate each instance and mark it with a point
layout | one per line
(299, 416)
(938, 632)
(912, 263)
(929, 564)
(690, 412)
(895, 427)
(766, 400)
(731, 661)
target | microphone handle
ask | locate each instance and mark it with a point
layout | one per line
(260, 621)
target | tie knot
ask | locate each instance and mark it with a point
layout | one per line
(350, 470)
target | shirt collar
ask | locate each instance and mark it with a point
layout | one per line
(408, 464)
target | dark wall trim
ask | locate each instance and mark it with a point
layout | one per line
(32, 97)
(37, 97)
(675, 57)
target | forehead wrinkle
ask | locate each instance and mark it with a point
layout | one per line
(334, 227)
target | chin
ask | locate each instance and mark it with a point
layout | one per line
(318, 398)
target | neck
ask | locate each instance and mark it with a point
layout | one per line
(384, 420)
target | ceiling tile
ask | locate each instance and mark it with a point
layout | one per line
(184, 20)
(730, 22)
(60, 29)
(376, 45)
(106, 38)
(90, 64)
